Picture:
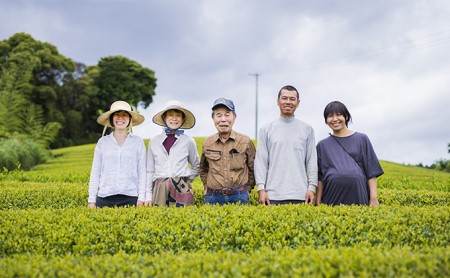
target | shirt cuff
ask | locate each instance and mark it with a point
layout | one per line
(312, 188)
(261, 187)
(141, 197)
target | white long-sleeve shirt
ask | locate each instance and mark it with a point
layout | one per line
(286, 159)
(160, 164)
(118, 169)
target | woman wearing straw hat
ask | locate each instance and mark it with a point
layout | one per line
(169, 176)
(118, 174)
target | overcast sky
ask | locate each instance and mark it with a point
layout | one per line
(387, 60)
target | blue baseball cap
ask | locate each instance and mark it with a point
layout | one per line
(225, 102)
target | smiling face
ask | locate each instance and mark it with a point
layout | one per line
(223, 120)
(288, 102)
(173, 118)
(120, 119)
(336, 121)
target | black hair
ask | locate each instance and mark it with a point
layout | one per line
(183, 116)
(164, 114)
(338, 108)
(111, 122)
(289, 88)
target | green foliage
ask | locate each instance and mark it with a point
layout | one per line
(120, 78)
(153, 230)
(48, 230)
(75, 193)
(48, 69)
(21, 153)
(56, 100)
(398, 176)
(305, 262)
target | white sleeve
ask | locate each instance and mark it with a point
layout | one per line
(150, 173)
(261, 160)
(142, 169)
(94, 181)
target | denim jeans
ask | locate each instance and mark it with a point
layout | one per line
(239, 197)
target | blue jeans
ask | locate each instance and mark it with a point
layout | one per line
(239, 197)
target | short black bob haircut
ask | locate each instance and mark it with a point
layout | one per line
(338, 108)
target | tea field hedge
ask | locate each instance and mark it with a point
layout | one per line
(48, 231)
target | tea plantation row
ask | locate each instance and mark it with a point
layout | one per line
(48, 231)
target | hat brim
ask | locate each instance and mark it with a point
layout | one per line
(136, 118)
(189, 121)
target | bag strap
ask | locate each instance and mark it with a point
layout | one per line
(364, 172)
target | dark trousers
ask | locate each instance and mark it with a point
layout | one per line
(116, 201)
(286, 202)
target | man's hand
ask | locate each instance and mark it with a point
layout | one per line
(148, 203)
(139, 204)
(309, 198)
(91, 205)
(263, 198)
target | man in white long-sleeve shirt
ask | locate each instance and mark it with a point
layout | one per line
(286, 156)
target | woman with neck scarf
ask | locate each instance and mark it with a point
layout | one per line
(170, 153)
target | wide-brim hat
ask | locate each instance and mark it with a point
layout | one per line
(189, 119)
(120, 105)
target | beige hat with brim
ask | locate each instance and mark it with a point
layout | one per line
(189, 119)
(120, 105)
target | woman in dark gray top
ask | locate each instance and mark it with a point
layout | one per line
(348, 165)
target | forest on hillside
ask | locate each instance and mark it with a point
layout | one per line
(51, 101)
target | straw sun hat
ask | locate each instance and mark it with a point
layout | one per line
(189, 119)
(120, 105)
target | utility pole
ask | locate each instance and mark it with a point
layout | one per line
(256, 75)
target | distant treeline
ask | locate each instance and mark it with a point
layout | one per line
(441, 164)
(48, 101)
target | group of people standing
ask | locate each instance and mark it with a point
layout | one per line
(287, 166)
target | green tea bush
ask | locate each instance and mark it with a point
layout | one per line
(47, 230)
(411, 197)
(44, 177)
(31, 195)
(431, 183)
(234, 228)
(303, 262)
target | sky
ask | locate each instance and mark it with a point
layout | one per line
(388, 61)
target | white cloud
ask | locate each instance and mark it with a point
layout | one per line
(386, 60)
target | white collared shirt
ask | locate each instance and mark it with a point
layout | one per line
(118, 169)
(160, 164)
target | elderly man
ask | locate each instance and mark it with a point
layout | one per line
(226, 164)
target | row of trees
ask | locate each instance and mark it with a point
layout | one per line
(440, 164)
(49, 101)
